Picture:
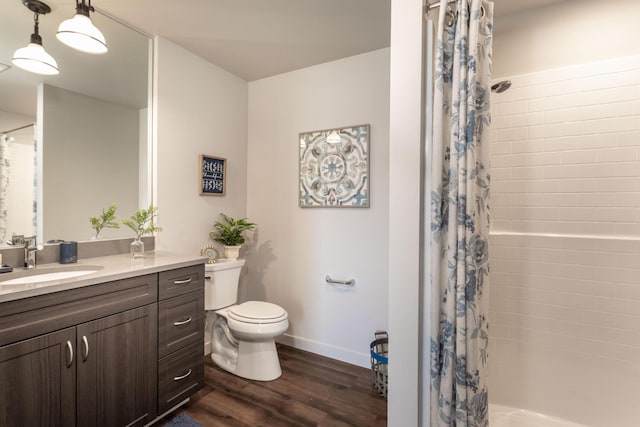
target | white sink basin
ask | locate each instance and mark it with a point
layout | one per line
(47, 275)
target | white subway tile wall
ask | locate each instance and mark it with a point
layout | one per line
(565, 243)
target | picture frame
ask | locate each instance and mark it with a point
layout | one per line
(213, 175)
(334, 168)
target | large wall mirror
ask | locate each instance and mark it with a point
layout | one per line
(72, 144)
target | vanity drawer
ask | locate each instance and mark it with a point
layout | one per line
(180, 281)
(180, 322)
(42, 314)
(180, 375)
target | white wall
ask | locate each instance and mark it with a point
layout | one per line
(407, 405)
(200, 109)
(295, 248)
(569, 32)
(566, 213)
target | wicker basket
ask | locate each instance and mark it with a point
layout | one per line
(380, 362)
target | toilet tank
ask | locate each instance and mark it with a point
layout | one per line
(221, 283)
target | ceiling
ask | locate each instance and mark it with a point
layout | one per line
(252, 39)
(260, 38)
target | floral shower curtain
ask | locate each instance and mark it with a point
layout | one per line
(460, 216)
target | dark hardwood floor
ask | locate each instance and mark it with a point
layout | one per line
(312, 391)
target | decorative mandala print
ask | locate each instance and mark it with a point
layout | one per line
(334, 168)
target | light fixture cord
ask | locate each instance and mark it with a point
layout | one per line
(83, 7)
(35, 37)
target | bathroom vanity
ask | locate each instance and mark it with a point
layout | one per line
(119, 346)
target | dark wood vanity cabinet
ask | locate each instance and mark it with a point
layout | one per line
(116, 379)
(100, 373)
(38, 381)
(96, 360)
(180, 335)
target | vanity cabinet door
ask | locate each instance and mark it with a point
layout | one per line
(38, 381)
(117, 369)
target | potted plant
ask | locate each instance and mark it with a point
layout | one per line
(228, 232)
(142, 222)
(106, 220)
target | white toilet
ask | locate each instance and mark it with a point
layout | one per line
(242, 337)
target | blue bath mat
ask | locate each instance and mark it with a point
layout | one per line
(183, 420)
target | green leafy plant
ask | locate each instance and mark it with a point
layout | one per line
(142, 221)
(229, 231)
(106, 220)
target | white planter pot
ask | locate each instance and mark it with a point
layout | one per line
(232, 252)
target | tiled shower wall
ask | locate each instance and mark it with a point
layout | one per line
(565, 273)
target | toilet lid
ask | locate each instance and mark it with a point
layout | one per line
(257, 312)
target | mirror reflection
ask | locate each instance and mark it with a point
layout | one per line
(72, 144)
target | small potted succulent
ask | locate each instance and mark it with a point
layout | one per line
(228, 232)
(142, 222)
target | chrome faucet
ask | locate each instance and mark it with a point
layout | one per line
(30, 248)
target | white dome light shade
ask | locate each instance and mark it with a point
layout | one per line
(80, 33)
(35, 59)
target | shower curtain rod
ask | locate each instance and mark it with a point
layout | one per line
(16, 129)
(436, 4)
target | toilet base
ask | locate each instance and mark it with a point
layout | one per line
(256, 361)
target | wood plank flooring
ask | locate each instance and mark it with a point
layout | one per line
(312, 391)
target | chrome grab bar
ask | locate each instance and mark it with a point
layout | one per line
(349, 282)
(182, 282)
(181, 377)
(182, 322)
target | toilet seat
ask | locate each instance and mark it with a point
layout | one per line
(257, 312)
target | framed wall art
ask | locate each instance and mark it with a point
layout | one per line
(334, 168)
(213, 174)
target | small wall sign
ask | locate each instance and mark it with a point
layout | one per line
(213, 173)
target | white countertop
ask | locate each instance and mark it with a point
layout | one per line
(114, 267)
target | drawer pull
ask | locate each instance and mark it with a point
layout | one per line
(182, 282)
(182, 322)
(181, 377)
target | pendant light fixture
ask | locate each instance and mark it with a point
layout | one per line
(80, 33)
(33, 57)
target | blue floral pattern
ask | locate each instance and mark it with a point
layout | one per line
(460, 217)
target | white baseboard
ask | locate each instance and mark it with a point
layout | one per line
(327, 350)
